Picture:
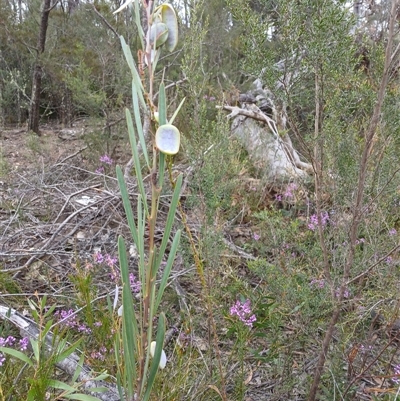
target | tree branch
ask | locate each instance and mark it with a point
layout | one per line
(101, 16)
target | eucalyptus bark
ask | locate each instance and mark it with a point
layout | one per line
(34, 112)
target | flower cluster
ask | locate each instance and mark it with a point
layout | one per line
(346, 293)
(243, 311)
(115, 273)
(7, 342)
(23, 343)
(11, 341)
(107, 259)
(392, 231)
(364, 349)
(68, 319)
(314, 220)
(209, 98)
(288, 194)
(101, 354)
(111, 262)
(135, 284)
(320, 283)
(105, 159)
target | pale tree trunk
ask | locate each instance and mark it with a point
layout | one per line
(265, 137)
(20, 11)
(34, 114)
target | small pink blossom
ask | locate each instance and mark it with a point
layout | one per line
(106, 159)
(110, 260)
(314, 220)
(346, 293)
(23, 343)
(98, 257)
(243, 311)
(320, 283)
(135, 284)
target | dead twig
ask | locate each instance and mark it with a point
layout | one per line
(71, 156)
(44, 247)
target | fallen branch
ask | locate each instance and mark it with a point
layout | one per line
(256, 114)
(238, 250)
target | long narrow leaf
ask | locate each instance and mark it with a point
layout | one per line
(33, 307)
(157, 356)
(101, 376)
(161, 169)
(16, 354)
(50, 311)
(78, 368)
(155, 60)
(127, 205)
(132, 65)
(162, 118)
(129, 324)
(162, 105)
(81, 397)
(131, 62)
(120, 386)
(46, 328)
(35, 348)
(170, 219)
(139, 126)
(171, 120)
(135, 156)
(140, 245)
(61, 386)
(128, 315)
(118, 362)
(167, 269)
(64, 354)
(138, 23)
